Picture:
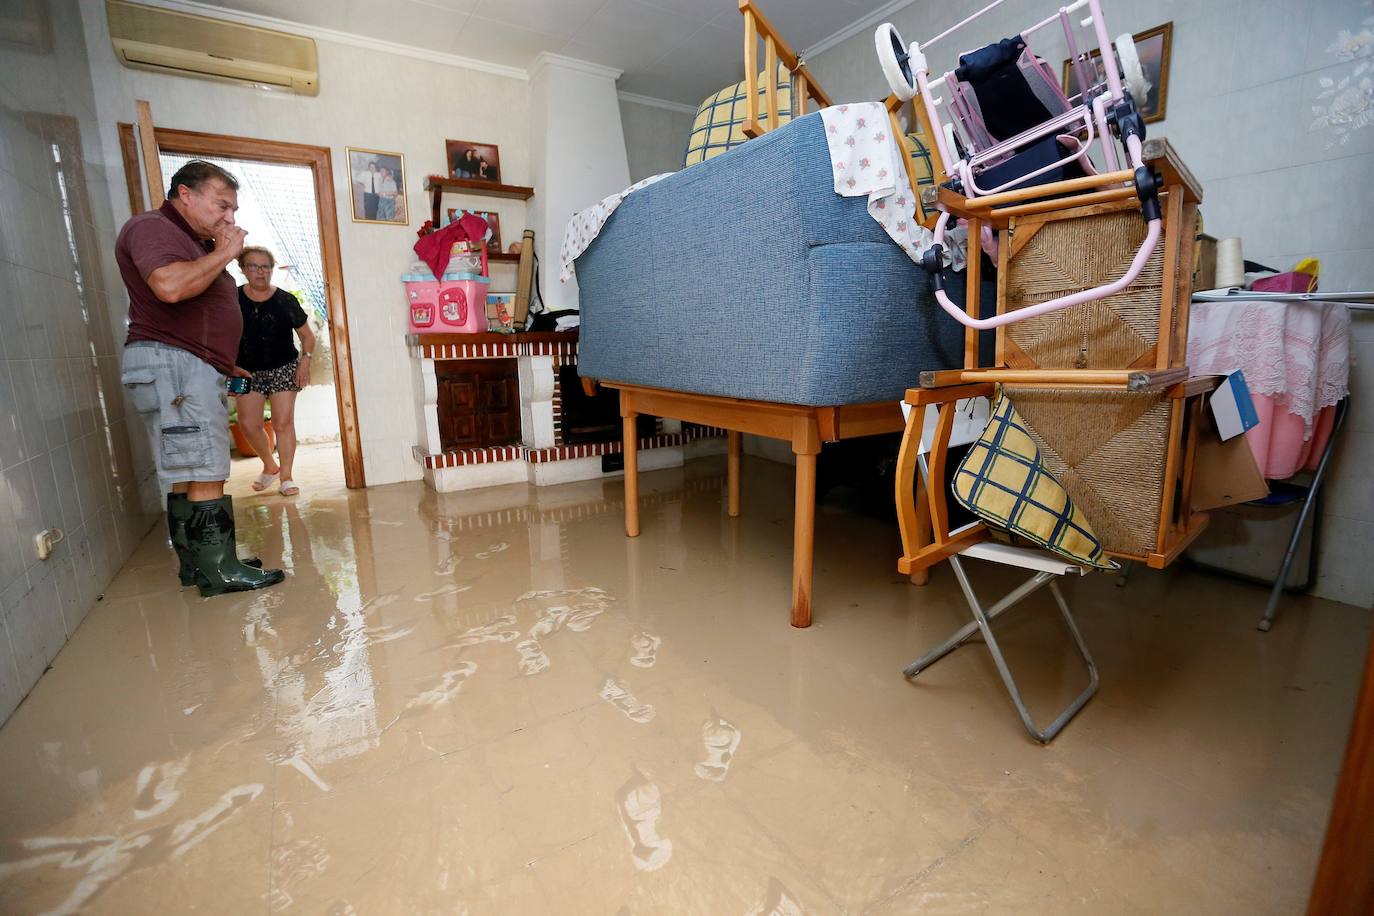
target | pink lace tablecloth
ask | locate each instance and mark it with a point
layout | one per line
(1296, 360)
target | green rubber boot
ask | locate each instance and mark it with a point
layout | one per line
(210, 540)
(178, 513)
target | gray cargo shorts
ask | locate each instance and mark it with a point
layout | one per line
(183, 402)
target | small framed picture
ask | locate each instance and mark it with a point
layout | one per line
(493, 226)
(379, 186)
(467, 159)
(1153, 46)
(500, 311)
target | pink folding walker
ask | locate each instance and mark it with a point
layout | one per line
(1011, 127)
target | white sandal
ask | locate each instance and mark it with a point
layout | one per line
(289, 488)
(264, 481)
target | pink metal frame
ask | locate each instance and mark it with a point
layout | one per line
(1083, 116)
(1087, 115)
(1070, 122)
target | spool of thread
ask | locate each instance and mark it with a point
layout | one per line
(1230, 263)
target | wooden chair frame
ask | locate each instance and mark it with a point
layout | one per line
(1177, 249)
(922, 512)
(1181, 195)
(757, 28)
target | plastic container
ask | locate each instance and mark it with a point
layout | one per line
(1291, 282)
(457, 304)
(462, 259)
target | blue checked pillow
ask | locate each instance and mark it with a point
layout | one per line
(1003, 481)
(719, 125)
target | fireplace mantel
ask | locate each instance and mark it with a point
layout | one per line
(524, 337)
(541, 456)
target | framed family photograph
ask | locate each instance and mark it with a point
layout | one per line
(1153, 46)
(501, 312)
(493, 226)
(467, 159)
(378, 185)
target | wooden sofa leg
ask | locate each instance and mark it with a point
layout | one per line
(735, 440)
(803, 539)
(631, 472)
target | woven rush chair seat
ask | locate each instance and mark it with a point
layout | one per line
(1108, 449)
(1053, 254)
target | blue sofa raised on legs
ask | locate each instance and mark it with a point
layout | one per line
(743, 292)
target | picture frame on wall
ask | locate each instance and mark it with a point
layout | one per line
(501, 312)
(1153, 46)
(493, 226)
(478, 161)
(378, 185)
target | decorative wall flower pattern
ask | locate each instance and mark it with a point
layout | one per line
(1347, 105)
(1350, 106)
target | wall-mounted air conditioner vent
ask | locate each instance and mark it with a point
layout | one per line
(169, 42)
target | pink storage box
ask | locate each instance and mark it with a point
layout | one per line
(457, 304)
(1291, 282)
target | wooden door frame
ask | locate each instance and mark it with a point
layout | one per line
(195, 143)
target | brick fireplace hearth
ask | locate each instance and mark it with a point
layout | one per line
(491, 411)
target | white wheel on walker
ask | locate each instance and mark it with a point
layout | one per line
(893, 57)
(1131, 69)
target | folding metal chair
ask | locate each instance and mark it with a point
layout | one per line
(1046, 568)
(1285, 493)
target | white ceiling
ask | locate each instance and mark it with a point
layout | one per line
(675, 50)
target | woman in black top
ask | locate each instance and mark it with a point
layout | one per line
(267, 351)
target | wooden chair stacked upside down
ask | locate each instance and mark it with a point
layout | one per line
(1097, 376)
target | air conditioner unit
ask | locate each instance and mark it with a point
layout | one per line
(150, 38)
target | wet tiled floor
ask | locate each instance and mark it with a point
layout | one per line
(495, 702)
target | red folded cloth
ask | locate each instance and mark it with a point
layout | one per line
(435, 248)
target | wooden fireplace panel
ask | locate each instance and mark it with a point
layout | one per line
(460, 431)
(501, 428)
(459, 393)
(478, 403)
(497, 395)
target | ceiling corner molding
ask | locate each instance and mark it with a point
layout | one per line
(548, 59)
(882, 14)
(344, 38)
(638, 99)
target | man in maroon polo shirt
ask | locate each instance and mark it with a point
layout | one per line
(184, 329)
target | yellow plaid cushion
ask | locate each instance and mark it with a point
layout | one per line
(719, 125)
(920, 159)
(1003, 481)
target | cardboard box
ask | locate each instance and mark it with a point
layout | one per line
(1205, 264)
(1232, 408)
(1224, 473)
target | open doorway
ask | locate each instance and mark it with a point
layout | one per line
(287, 192)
